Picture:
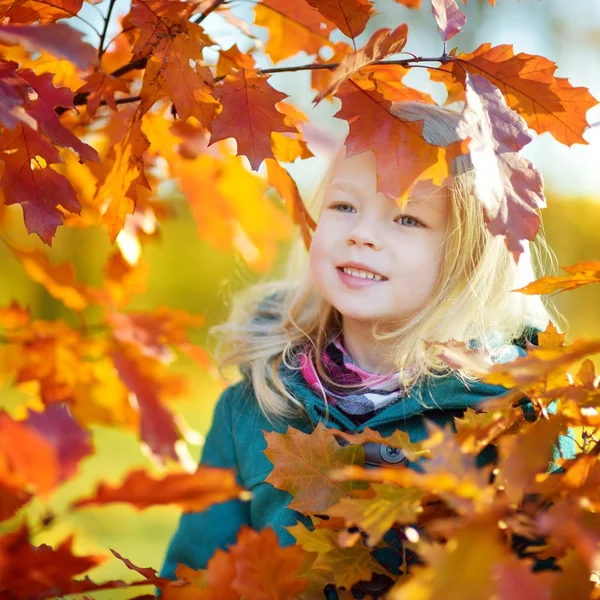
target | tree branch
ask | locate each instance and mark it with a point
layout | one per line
(207, 12)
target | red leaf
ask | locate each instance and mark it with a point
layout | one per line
(13, 90)
(28, 571)
(158, 428)
(191, 491)
(99, 87)
(249, 115)
(43, 112)
(70, 440)
(59, 39)
(40, 191)
(448, 17)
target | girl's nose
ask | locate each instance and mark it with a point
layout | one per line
(363, 234)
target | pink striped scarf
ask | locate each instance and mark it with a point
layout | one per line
(378, 392)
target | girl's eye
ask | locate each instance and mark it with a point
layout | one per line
(341, 206)
(410, 221)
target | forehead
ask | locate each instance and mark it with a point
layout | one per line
(356, 175)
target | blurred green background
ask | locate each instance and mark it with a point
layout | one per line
(188, 274)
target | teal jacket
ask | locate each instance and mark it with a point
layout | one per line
(235, 441)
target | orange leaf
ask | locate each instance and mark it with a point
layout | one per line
(302, 463)
(286, 187)
(32, 11)
(293, 27)
(350, 16)
(401, 153)
(581, 273)
(190, 491)
(118, 189)
(527, 81)
(249, 115)
(376, 515)
(381, 44)
(102, 87)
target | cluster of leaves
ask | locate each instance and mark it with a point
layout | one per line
(151, 99)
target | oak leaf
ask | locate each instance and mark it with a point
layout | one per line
(302, 463)
(249, 115)
(529, 86)
(402, 154)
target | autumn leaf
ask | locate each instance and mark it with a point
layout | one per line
(381, 44)
(190, 491)
(401, 153)
(286, 187)
(102, 87)
(58, 39)
(43, 111)
(377, 514)
(249, 115)
(146, 380)
(302, 463)
(117, 191)
(581, 273)
(347, 565)
(507, 185)
(26, 12)
(29, 181)
(255, 567)
(448, 17)
(459, 356)
(153, 332)
(294, 26)
(70, 441)
(28, 570)
(527, 81)
(350, 16)
(59, 280)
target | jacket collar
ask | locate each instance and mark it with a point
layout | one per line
(446, 393)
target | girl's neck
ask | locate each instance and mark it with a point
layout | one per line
(358, 341)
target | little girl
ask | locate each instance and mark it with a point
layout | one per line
(340, 339)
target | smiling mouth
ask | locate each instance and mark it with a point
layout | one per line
(361, 274)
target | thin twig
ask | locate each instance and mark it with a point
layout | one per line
(207, 12)
(101, 49)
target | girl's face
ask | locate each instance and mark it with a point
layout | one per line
(361, 229)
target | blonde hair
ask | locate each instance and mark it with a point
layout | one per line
(272, 321)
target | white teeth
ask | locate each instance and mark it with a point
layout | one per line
(362, 274)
